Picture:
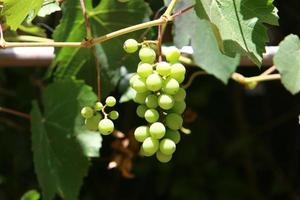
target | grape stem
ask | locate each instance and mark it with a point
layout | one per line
(15, 112)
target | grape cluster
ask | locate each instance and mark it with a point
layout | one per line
(162, 100)
(96, 117)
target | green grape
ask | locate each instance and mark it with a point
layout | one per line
(113, 115)
(139, 85)
(174, 121)
(150, 146)
(170, 86)
(180, 95)
(178, 72)
(163, 68)
(130, 45)
(151, 101)
(172, 55)
(147, 55)
(141, 133)
(154, 82)
(140, 97)
(151, 115)
(133, 78)
(165, 101)
(87, 112)
(144, 70)
(179, 107)
(157, 130)
(98, 106)
(106, 126)
(162, 157)
(143, 153)
(167, 146)
(110, 101)
(140, 111)
(173, 135)
(92, 123)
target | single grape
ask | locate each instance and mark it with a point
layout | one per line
(163, 68)
(139, 85)
(106, 126)
(173, 135)
(140, 97)
(140, 110)
(178, 72)
(92, 123)
(174, 121)
(87, 112)
(98, 106)
(172, 54)
(143, 153)
(151, 115)
(180, 95)
(147, 55)
(170, 86)
(165, 101)
(179, 107)
(141, 133)
(162, 157)
(144, 70)
(130, 45)
(113, 115)
(154, 82)
(111, 101)
(133, 78)
(167, 146)
(157, 130)
(151, 101)
(150, 146)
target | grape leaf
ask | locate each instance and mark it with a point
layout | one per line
(60, 158)
(287, 61)
(108, 16)
(240, 24)
(49, 8)
(16, 11)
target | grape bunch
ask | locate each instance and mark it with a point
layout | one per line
(161, 100)
(96, 118)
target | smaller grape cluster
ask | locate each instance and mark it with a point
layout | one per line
(162, 100)
(96, 118)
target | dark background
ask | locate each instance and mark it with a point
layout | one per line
(244, 144)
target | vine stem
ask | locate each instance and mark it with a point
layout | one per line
(15, 112)
(86, 20)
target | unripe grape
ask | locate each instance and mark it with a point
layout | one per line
(87, 112)
(113, 115)
(151, 115)
(144, 70)
(98, 106)
(178, 72)
(163, 68)
(162, 157)
(167, 146)
(151, 101)
(111, 101)
(139, 85)
(140, 111)
(180, 95)
(172, 54)
(150, 145)
(154, 82)
(157, 130)
(106, 126)
(130, 45)
(174, 121)
(141, 133)
(165, 101)
(143, 153)
(179, 107)
(147, 55)
(170, 86)
(133, 78)
(92, 123)
(173, 135)
(140, 97)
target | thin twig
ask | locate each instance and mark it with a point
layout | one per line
(182, 11)
(193, 77)
(159, 42)
(86, 20)
(269, 71)
(98, 71)
(15, 112)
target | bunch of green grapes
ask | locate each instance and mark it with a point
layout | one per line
(161, 98)
(96, 118)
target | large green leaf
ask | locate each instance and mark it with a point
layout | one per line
(287, 61)
(108, 16)
(240, 23)
(60, 150)
(16, 11)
